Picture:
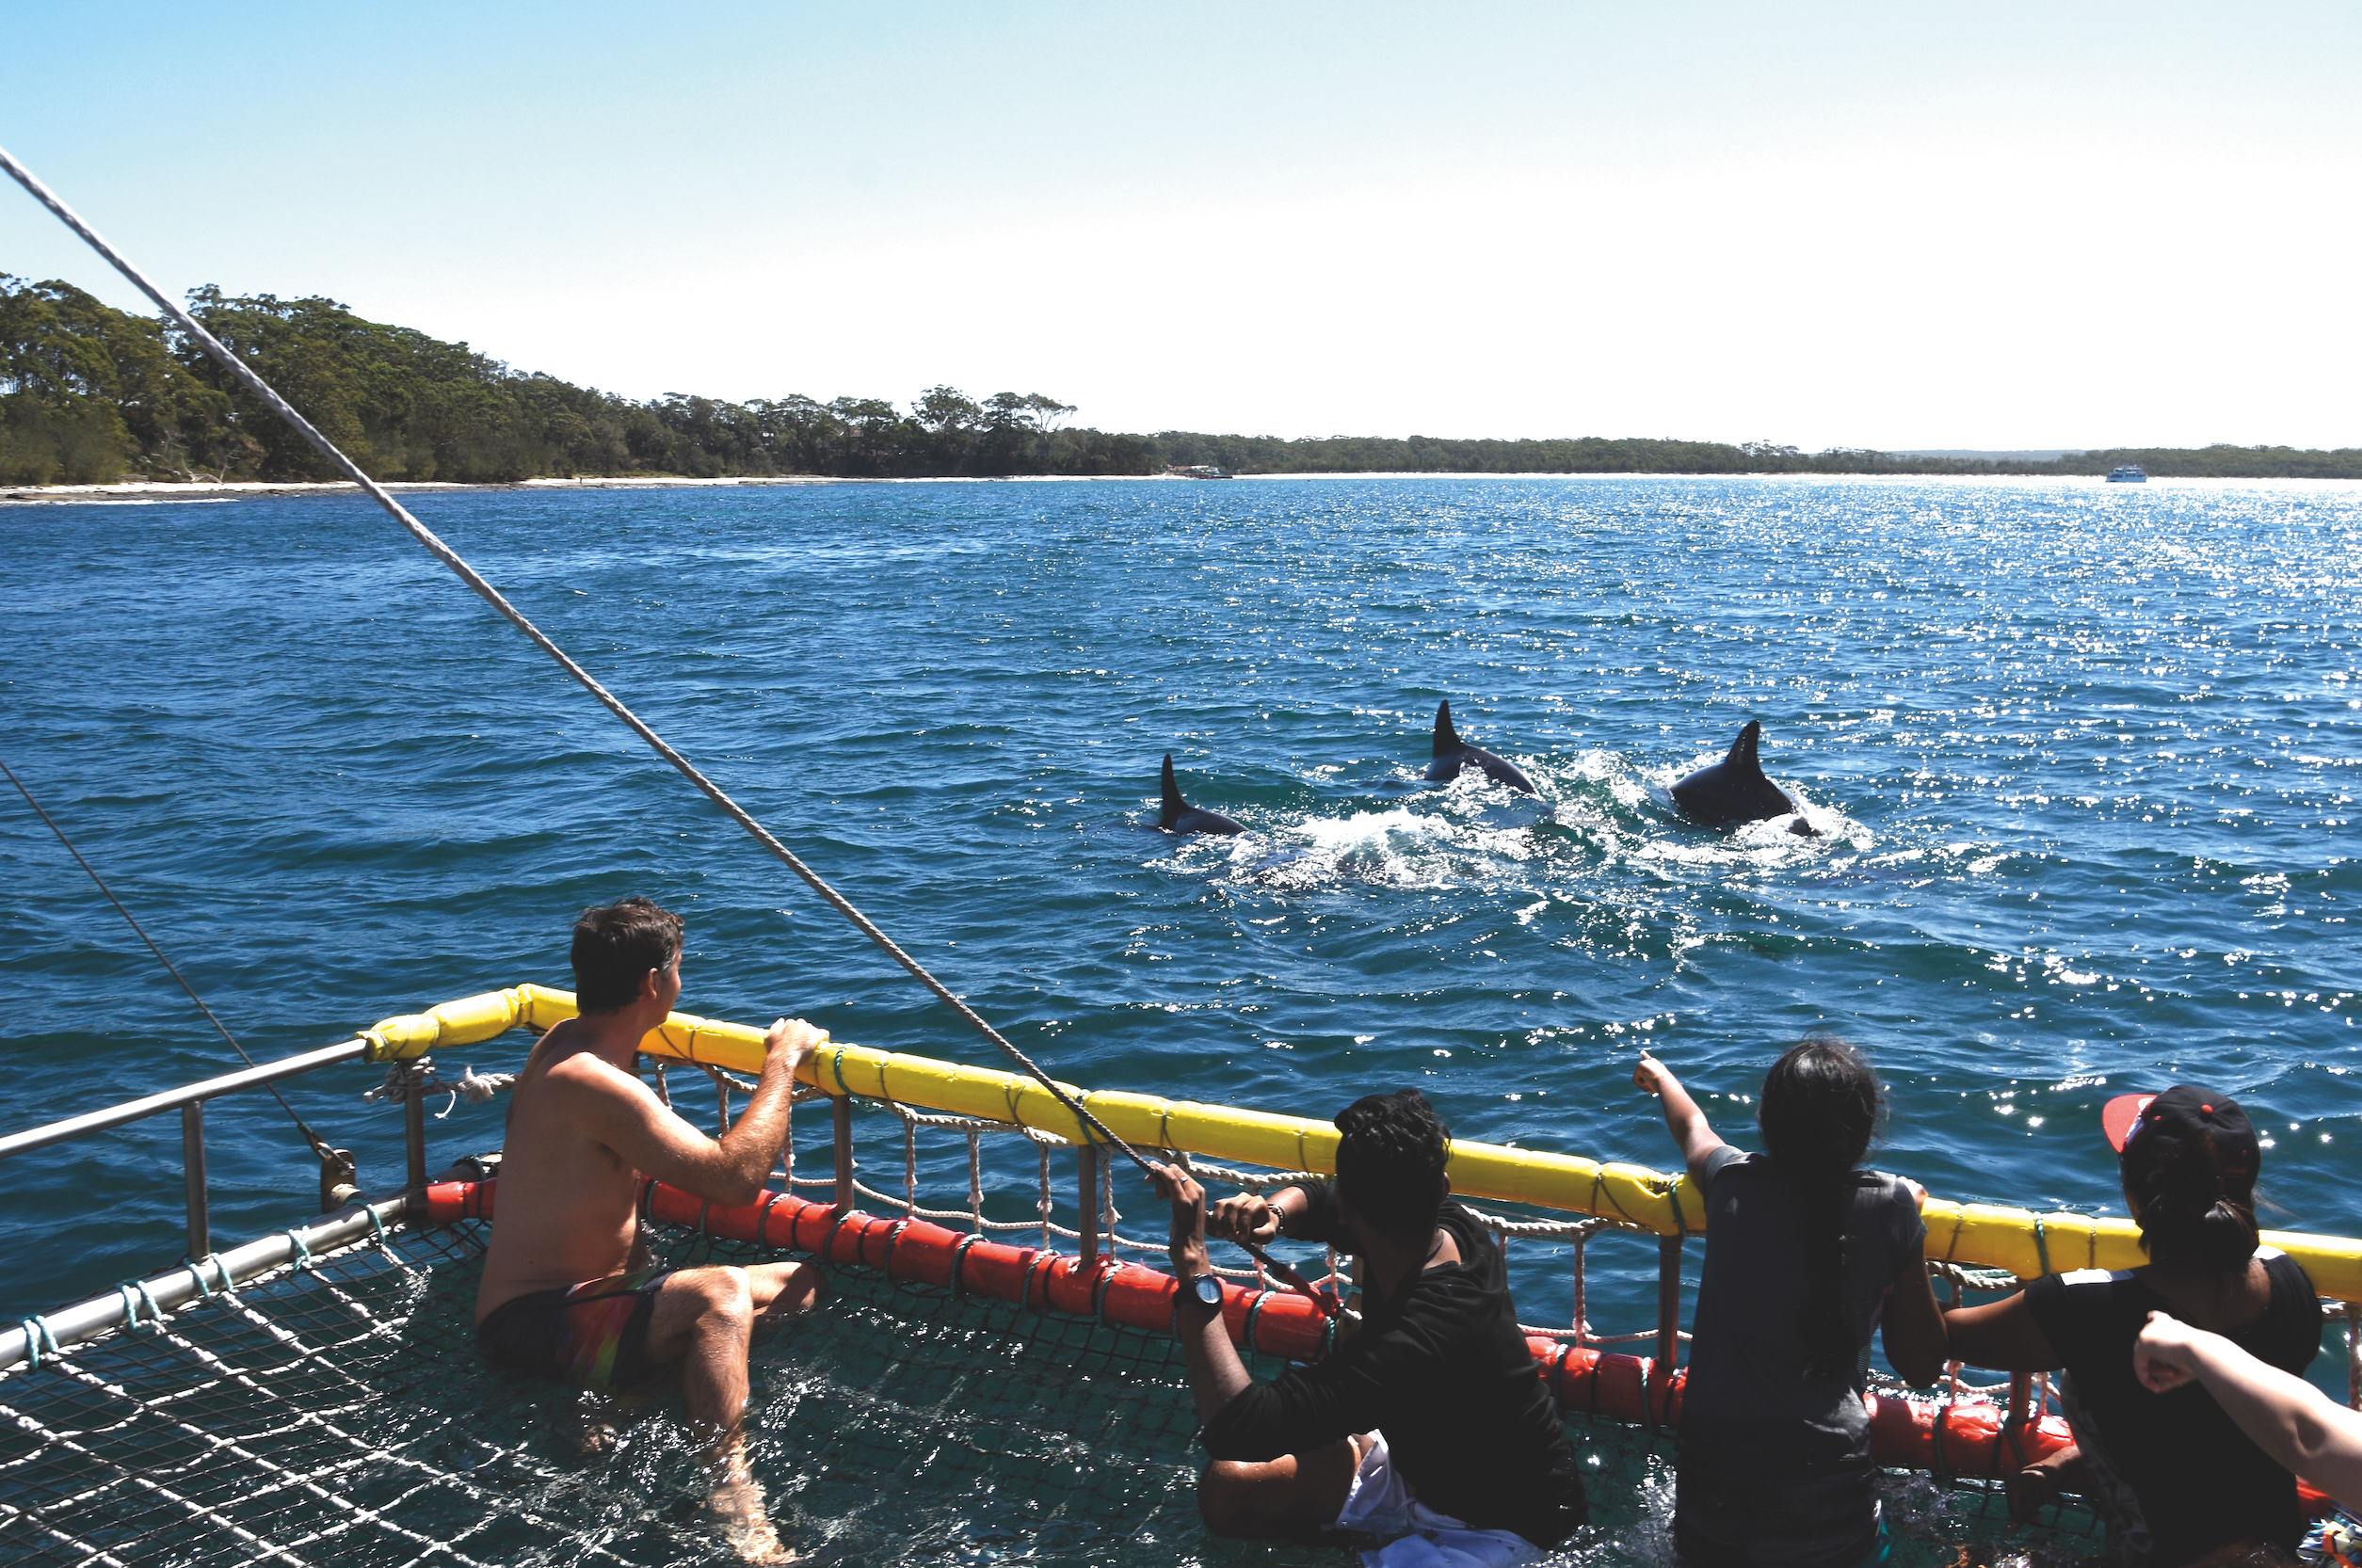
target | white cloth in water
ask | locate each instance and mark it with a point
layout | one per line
(1381, 1504)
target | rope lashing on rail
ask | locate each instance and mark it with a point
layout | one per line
(319, 1145)
(254, 383)
(418, 1073)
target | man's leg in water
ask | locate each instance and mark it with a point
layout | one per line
(1285, 1496)
(707, 1318)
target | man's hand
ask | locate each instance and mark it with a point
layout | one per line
(1249, 1217)
(1188, 1244)
(1215, 1374)
(2041, 1482)
(1653, 1077)
(2164, 1357)
(794, 1036)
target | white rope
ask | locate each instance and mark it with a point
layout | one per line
(1582, 1324)
(309, 1415)
(51, 1438)
(89, 1554)
(721, 1093)
(1562, 1229)
(363, 1394)
(1577, 1232)
(1042, 1199)
(476, 1088)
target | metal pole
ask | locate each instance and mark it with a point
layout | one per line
(1086, 1166)
(193, 1173)
(415, 1134)
(842, 1107)
(178, 1284)
(172, 1099)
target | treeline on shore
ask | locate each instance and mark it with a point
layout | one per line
(1600, 455)
(90, 394)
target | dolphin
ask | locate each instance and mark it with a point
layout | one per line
(1453, 754)
(1178, 816)
(1734, 789)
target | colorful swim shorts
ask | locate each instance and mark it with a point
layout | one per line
(595, 1332)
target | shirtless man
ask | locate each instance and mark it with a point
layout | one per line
(567, 1289)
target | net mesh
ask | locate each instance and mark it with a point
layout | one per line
(340, 1415)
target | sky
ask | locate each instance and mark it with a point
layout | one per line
(1895, 227)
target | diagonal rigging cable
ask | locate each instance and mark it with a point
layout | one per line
(491, 596)
(319, 1145)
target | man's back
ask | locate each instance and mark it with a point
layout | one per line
(569, 1204)
(567, 1290)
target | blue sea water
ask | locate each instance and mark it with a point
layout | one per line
(2082, 758)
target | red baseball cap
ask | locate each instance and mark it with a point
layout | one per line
(2186, 1111)
(2117, 1116)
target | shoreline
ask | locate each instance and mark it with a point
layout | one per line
(159, 490)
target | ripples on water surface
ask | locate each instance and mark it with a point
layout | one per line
(2084, 759)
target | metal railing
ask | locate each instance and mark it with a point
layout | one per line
(190, 1100)
(207, 1271)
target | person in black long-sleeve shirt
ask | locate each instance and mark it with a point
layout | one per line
(1429, 1421)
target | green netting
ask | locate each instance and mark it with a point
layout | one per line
(342, 1416)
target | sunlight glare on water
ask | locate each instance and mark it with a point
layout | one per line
(2081, 762)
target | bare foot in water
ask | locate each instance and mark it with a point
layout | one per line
(589, 1427)
(594, 1423)
(737, 1504)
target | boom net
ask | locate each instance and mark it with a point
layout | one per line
(337, 1411)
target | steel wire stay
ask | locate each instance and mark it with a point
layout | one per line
(247, 374)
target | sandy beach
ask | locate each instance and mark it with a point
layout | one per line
(153, 491)
(164, 490)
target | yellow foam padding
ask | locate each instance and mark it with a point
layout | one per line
(1982, 1236)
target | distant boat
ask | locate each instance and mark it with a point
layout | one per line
(1196, 471)
(2129, 474)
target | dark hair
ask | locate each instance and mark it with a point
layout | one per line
(1820, 1108)
(2192, 1209)
(614, 946)
(1390, 1163)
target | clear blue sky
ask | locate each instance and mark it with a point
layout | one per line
(2001, 225)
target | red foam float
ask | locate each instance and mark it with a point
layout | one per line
(1969, 1439)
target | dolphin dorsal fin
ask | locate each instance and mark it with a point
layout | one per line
(1174, 805)
(1447, 740)
(1741, 754)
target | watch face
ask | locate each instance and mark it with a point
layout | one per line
(1209, 1290)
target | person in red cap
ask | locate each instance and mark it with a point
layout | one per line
(2171, 1472)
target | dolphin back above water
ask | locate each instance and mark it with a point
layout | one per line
(1178, 816)
(1451, 754)
(1734, 789)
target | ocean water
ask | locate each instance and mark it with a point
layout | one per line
(2083, 758)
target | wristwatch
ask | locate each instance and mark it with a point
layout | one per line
(1206, 1291)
